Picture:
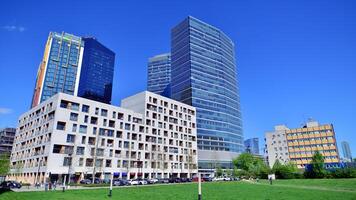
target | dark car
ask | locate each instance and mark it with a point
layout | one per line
(120, 182)
(10, 185)
(207, 179)
(175, 180)
(85, 181)
(183, 180)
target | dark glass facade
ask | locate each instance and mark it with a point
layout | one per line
(204, 75)
(96, 76)
(159, 74)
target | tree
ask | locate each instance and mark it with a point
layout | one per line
(251, 165)
(244, 161)
(4, 164)
(316, 167)
(219, 171)
(286, 171)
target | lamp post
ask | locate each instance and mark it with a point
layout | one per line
(111, 180)
(199, 186)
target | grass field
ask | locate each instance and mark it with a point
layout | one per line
(282, 189)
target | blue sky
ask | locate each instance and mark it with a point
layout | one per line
(296, 59)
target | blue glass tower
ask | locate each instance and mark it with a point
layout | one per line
(74, 65)
(251, 146)
(204, 75)
(159, 74)
(96, 76)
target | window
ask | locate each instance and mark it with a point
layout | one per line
(85, 108)
(80, 150)
(74, 128)
(81, 161)
(75, 106)
(61, 126)
(73, 116)
(70, 138)
(67, 161)
(104, 112)
(82, 129)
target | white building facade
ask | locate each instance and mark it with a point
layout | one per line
(150, 136)
(276, 145)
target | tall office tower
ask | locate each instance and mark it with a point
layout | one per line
(251, 146)
(204, 76)
(66, 62)
(159, 74)
(97, 72)
(346, 150)
(7, 136)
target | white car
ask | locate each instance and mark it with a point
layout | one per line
(227, 179)
(218, 179)
(137, 182)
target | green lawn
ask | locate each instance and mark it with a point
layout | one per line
(284, 189)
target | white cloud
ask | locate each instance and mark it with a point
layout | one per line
(14, 28)
(4, 111)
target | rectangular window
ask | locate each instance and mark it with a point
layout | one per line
(67, 161)
(104, 112)
(74, 128)
(70, 138)
(73, 116)
(61, 126)
(82, 129)
(80, 150)
(85, 108)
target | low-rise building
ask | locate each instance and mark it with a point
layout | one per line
(149, 136)
(299, 145)
(7, 136)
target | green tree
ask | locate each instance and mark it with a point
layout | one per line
(4, 164)
(219, 171)
(250, 165)
(316, 167)
(244, 161)
(286, 171)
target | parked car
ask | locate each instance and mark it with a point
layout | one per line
(85, 181)
(152, 181)
(163, 180)
(175, 180)
(142, 181)
(207, 178)
(10, 185)
(227, 179)
(196, 179)
(120, 182)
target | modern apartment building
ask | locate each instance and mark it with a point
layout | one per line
(7, 136)
(204, 75)
(301, 144)
(149, 136)
(346, 150)
(76, 66)
(251, 146)
(159, 74)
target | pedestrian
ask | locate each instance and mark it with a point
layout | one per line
(54, 185)
(270, 180)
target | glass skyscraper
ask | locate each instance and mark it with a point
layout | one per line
(204, 75)
(96, 76)
(159, 74)
(69, 66)
(251, 146)
(346, 150)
